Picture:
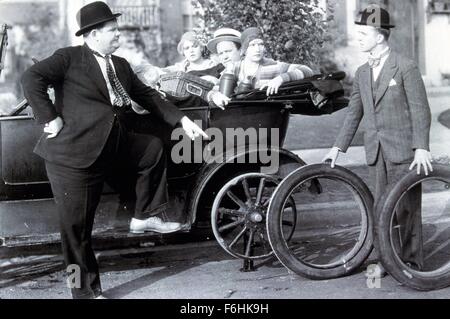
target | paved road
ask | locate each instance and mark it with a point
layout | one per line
(204, 272)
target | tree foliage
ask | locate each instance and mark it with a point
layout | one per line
(294, 31)
(39, 39)
(43, 34)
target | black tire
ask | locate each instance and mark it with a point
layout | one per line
(413, 278)
(360, 251)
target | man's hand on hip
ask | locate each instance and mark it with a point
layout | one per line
(191, 129)
(332, 156)
(422, 158)
(54, 127)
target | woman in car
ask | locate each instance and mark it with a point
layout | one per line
(195, 62)
(256, 71)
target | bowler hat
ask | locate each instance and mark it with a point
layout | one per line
(375, 16)
(93, 14)
(224, 34)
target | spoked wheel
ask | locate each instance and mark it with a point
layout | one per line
(239, 216)
(334, 233)
(415, 239)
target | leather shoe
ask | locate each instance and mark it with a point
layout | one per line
(153, 224)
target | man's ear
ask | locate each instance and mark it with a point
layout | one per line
(93, 33)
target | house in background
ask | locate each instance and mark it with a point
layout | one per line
(21, 15)
(422, 32)
(150, 29)
(156, 24)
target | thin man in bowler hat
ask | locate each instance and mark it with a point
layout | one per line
(389, 94)
(86, 139)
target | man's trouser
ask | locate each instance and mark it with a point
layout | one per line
(77, 194)
(408, 216)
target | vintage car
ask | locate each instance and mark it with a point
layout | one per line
(26, 191)
(225, 195)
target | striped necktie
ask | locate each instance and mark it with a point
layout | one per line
(121, 96)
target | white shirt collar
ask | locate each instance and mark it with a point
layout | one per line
(381, 53)
(377, 70)
(100, 53)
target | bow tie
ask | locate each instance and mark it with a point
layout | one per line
(375, 61)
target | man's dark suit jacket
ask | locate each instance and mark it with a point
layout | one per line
(83, 102)
(398, 117)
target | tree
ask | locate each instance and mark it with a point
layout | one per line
(294, 31)
(38, 39)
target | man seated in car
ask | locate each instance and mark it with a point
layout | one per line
(226, 44)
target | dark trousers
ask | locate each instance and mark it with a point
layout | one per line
(77, 194)
(408, 215)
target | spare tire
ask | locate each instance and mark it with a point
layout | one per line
(334, 232)
(424, 277)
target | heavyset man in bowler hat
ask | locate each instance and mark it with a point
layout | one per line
(389, 94)
(86, 138)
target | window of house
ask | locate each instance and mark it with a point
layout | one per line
(187, 22)
(188, 14)
(439, 6)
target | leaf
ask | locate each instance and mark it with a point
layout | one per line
(289, 45)
(292, 29)
(263, 4)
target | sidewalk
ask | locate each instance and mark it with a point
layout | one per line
(439, 99)
(355, 156)
(440, 135)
